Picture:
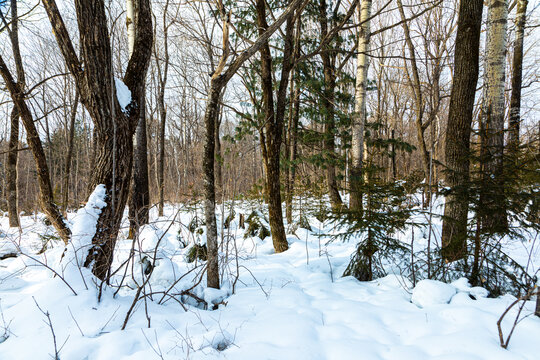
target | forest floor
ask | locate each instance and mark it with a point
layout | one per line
(292, 305)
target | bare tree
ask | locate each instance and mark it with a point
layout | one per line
(162, 65)
(11, 180)
(359, 118)
(114, 125)
(492, 200)
(139, 200)
(219, 79)
(454, 231)
(18, 94)
(517, 78)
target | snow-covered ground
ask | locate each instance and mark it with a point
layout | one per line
(293, 305)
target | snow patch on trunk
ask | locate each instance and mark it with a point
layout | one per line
(122, 93)
(84, 227)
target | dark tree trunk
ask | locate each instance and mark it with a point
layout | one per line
(69, 155)
(218, 82)
(161, 158)
(416, 86)
(46, 199)
(292, 151)
(11, 170)
(139, 203)
(457, 147)
(113, 126)
(163, 71)
(272, 135)
(517, 78)
(17, 92)
(219, 162)
(328, 102)
(210, 117)
(13, 153)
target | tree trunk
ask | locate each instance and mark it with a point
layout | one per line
(416, 86)
(328, 102)
(11, 169)
(46, 199)
(113, 126)
(139, 200)
(219, 162)
(139, 204)
(492, 209)
(69, 155)
(218, 82)
(517, 77)
(17, 92)
(359, 118)
(454, 231)
(293, 148)
(162, 80)
(210, 117)
(13, 153)
(272, 136)
(161, 159)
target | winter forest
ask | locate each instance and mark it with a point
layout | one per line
(269, 179)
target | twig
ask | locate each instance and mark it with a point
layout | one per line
(524, 298)
(49, 323)
(54, 271)
(76, 323)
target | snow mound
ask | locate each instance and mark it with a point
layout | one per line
(432, 292)
(463, 285)
(479, 292)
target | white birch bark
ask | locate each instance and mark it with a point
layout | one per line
(357, 128)
(494, 81)
(492, 196)
(130, 23)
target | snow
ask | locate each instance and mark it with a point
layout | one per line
(122, 93)
(84, 225)
(432, 292)
(291, 305)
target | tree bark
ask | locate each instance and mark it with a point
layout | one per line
(210, 116)
(272, 135)
(46, 199)
(457, 147)
(359, 117)
(218, 81)
(17, 92)
(13, 154)
(139, 204)
(113, 126)
(492, 209)
(139, 200)
(416, 86)
(69, 155)
(292, 152)
(328, 102)
(11, 170)
(517, 77)
(162, 78)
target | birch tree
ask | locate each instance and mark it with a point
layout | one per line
(359, 118)
(492, 201)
